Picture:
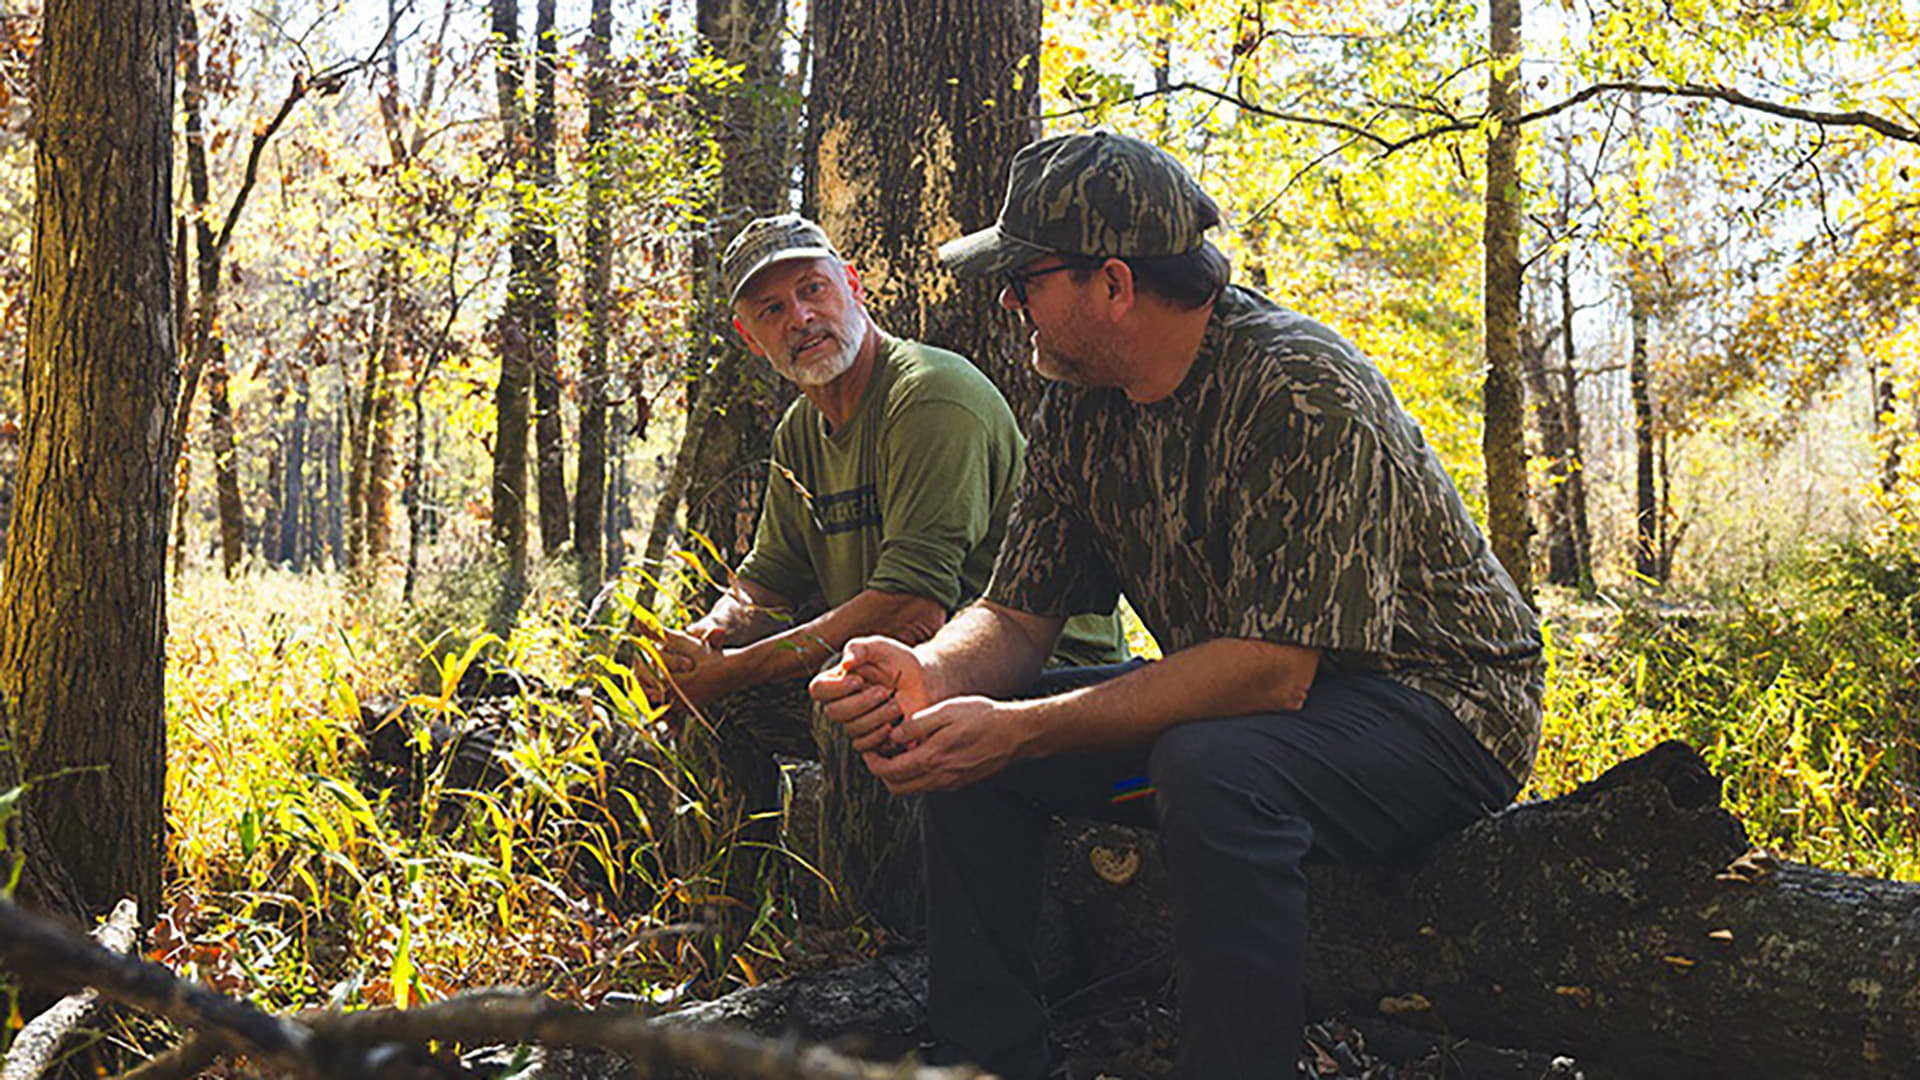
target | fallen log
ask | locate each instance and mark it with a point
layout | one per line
(1628, 923)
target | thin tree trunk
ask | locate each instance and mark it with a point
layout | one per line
(336, 501)
(1503, 439)
(1646, 517)
(293, 477)
(509, 526)
(544, 242)
(83, 593)
(590, 496)
(720, 469)
(226, 469)
(383, 410)
(1569, 394)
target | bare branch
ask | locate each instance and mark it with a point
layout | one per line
(1825, 118)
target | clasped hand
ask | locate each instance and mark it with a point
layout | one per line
(878, 694)
(694, 661)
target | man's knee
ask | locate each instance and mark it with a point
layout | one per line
(1208, 767)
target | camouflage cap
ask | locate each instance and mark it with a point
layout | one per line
(769, 240)
(1095, 193)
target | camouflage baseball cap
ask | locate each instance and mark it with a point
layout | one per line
(769, 240)
(1095, 193)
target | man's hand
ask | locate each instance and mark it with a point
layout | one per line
(877, 684)
(949, 745)
(696, 663)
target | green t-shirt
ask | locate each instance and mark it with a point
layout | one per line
(910, 495)
(1279, 494)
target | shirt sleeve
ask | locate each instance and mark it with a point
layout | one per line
(1050, 562)
(936, 498)
(779, 559)
(1315, 545)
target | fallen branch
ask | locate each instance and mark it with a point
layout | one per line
(352, 1046)
(34, 1047)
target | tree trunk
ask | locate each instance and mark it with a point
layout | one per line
(1580, 557)
(82, 597)
(226, 466)
(1503, 441)
(293, 478)
(908, 145)
(591, 477)
(544, 242)
(720, 470)
(382, 420)
(509, 526)
(1646, 517)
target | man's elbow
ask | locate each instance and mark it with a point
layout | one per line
(915, 620)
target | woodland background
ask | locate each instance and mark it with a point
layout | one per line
(452, 387)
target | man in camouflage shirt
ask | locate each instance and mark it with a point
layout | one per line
(1349, 673)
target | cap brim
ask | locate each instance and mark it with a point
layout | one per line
(988, 253)
(780, 256)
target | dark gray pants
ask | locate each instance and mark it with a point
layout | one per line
(1366, 771)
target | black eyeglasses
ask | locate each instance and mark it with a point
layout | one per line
(1017, 279)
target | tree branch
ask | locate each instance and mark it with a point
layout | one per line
(1390, 146)
(34, 1046)
(362, 1045)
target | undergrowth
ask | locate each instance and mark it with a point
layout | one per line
(1801, 690)
(295, 876)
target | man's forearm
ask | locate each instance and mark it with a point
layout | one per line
(801, 650)
(1218, 678)
(987, 649)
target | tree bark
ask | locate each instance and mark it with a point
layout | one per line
(1628, 923)
(544, 243)
(590, 494)
(293, 479)
(734, 400)
(509, 525)
(1646, 516)
(82, 597)
(909, 140)
(1503, 440)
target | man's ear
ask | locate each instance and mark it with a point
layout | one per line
(1117, 277)
(752, 345)
(853, 283)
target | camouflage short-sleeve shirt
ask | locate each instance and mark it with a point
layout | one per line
(1279, 494)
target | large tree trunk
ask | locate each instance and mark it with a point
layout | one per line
(509, 525)
(909, 140)
(82, 597)
(590, 496)
(908, 144)
(1628, 924)
(1503, 441)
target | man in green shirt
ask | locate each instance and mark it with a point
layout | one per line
(1349, 672)
(891, 478)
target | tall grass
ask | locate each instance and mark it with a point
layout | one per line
(1800, 690)
(294, 876)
